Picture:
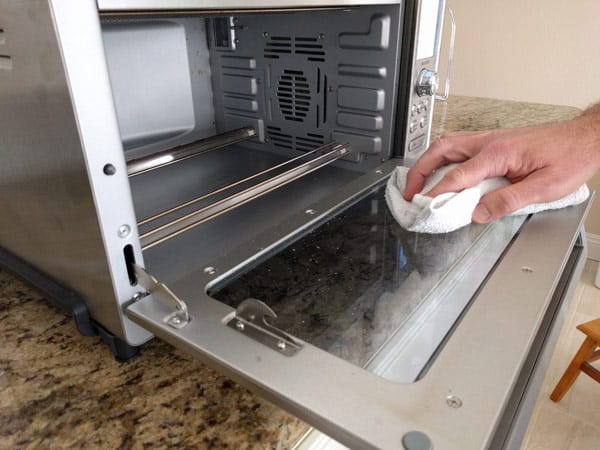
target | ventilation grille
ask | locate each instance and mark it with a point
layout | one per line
(293, 95)
(310, 142)
(311, 48)
(302, 143)
(280, 139)
(307, 46)
(277, 45)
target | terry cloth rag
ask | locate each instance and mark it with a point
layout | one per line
(450, 211)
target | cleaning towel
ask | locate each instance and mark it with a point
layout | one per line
(450, 211)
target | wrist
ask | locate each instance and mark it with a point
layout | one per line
(588, 125)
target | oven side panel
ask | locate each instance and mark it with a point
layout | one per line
(48, 211)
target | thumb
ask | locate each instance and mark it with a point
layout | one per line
(506, 200)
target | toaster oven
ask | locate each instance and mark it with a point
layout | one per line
(212, 173)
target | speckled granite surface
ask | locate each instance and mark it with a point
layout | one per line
(62, 390)
(473, 113)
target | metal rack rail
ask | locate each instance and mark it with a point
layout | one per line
(326, 155)
(173, 155)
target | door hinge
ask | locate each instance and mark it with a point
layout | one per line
(180, 317)
(251, 318)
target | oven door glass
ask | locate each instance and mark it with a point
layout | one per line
(365, 290)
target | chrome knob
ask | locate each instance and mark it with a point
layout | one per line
(427, 83)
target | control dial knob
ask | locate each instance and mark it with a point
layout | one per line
(427, 82)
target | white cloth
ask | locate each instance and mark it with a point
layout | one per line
(450, 211)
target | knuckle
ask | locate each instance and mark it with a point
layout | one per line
(438, 145)
(508, 201)
(498, 148)
(445, 140)
(457, 176)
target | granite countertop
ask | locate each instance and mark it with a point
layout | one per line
(59, 389)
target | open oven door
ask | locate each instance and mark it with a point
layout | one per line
(403, 340)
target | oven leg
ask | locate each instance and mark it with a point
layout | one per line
(68, 302)
(122, 351)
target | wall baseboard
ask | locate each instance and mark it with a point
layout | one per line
(593, 241)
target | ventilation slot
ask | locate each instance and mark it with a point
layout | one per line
(290, 142)
(310, 47)
(280, 139)
(309, 143)
(293, 95)
(277, 45)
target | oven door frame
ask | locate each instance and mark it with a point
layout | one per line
(478, 368)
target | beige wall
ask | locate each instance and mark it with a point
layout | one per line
(543, 51)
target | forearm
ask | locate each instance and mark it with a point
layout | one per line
(587, 126)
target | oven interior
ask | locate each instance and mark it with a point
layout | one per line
(232, 122)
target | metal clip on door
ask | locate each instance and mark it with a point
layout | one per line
(444, 97)
(251, 318)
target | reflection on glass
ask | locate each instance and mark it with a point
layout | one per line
(350, 284)
(428, 28)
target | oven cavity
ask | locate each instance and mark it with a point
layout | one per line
(226, 117)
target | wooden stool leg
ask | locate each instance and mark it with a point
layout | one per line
(572, 372)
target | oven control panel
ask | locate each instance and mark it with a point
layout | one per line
(424, 77)
(418, 123)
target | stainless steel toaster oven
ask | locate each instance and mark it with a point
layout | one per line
(212, 173)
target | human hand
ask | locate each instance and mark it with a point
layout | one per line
(544, 163)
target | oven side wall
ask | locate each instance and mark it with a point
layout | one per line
(49, 209)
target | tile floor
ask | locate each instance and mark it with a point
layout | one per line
(574, 422)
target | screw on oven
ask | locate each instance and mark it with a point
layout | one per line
(124, 231)
(453, 401)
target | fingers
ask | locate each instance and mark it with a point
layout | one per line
(507, 200)
(455, 147)
(415, 179)
(434, 158)
(468, 174)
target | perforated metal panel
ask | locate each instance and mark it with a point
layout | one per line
(308, 78)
